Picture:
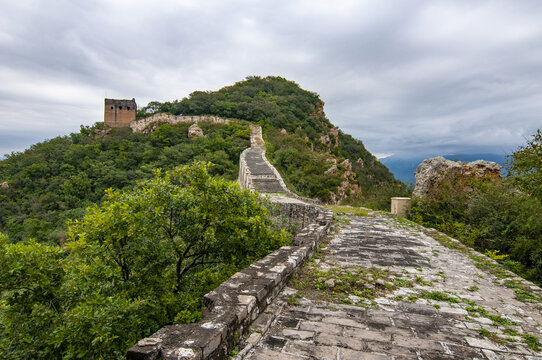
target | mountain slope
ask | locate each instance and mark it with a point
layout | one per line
(315, 158)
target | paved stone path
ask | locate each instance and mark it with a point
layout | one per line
(385, 289)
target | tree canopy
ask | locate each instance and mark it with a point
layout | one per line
(56, 180)
(141, 260)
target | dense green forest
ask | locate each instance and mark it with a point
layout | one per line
(56, 180)
(140, 261)
(502, 218)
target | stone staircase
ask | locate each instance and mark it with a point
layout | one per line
(255, 171)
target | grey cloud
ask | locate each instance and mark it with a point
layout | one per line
(403, 76)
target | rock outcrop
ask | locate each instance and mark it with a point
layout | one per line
(432, 173)
(194, 131)
(4, 185)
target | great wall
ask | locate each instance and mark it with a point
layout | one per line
(438, 299)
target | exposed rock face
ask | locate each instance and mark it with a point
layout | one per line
(432, 173)
(283, 131)
(194, 131)
(360, 162)
(100, 133)
(4, 185)
(327, 139)
(349, 175)
(347, 164)
(335, 132)
(346, 189)
(332, 170)
(324, 139)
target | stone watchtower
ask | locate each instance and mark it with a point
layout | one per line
(119, 113)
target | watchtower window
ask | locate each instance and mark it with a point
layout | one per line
(120, 107)
(128, 108)
(112, 107)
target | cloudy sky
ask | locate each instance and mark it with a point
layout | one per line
(403, 76)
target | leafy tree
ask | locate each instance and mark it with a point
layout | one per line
(525, 166)
(141, 260)
(57, 179)
(31, 303)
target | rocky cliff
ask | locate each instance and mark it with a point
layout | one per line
(432, 173)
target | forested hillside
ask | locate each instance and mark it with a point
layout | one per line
(56, 180)
(315, 158)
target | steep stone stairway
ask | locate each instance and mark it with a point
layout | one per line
(264, 179)
(255, 172)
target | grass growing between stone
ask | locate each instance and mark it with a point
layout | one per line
(348, 210)
(374, 287)
(346, 285)
(481, 261)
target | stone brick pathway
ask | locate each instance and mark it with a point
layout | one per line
(385, 289)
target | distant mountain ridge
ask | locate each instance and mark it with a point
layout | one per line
(403, 168)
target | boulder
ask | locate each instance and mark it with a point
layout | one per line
(433, 172)
(194, 131)
(335, 133)
(332, 170)
(349, 175)
(360, 162)
(4, 185)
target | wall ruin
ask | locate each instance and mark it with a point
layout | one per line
(119, 113)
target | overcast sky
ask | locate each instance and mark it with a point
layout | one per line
(404, 76)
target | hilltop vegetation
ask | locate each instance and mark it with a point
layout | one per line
(56, 180)
(301, 142)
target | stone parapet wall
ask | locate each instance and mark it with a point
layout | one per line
(139, 126)
(236, 303)
(245, 177)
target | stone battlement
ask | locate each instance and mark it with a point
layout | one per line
(143, 125)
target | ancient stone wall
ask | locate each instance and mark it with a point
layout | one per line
(232, 307)
(142, 126)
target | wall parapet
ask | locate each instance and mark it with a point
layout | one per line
(231, 308)
(139, 126)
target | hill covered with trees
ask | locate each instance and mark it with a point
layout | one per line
(315, 158)
(56, 180)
